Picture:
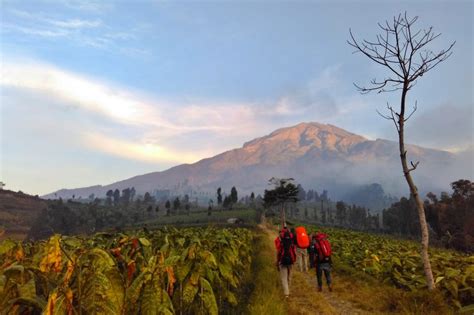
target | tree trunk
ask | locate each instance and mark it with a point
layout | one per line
(414, 192)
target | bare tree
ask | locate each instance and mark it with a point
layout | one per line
(404, 52)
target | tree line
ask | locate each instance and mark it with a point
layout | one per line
(450, 217)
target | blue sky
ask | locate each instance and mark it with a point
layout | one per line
(97, 91)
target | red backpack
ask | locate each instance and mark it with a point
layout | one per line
(323, 246)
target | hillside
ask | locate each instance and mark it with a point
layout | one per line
(18, 211)
(318, 156)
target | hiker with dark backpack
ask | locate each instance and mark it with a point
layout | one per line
(286, 256)
(322, 259)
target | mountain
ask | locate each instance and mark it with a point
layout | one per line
(318, 156)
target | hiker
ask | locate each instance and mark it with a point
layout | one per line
(302, 243)
(322, 255)
(286, 256)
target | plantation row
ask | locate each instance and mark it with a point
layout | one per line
(398, 262)
(167, 271)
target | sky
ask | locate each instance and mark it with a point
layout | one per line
(92, 92)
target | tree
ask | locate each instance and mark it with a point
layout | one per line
(176, 204)
(186, 199)
(167, 206)
(219, 196)
(116, 197)
(233, 195)
(147, 198)
(284, 191)
(126, 196)
(340, 212)
(404, 52)
(227, 202)
(301, 193)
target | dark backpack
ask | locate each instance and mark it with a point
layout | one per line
(286, 242)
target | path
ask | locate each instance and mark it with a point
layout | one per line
(305, 299)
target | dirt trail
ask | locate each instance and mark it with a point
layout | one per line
(305, 299)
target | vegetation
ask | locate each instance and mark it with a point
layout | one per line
(451, 217)
(398, 262)
(76, 217)
(198, 271)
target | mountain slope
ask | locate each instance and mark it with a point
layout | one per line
(317, 155)
(17, 212)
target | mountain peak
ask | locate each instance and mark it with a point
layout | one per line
(308, 135)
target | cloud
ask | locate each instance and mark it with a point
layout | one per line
(34, 31)
(124, 106)
(157, 122)
(68, 23)
(151, 129)
(111, 102)
(94, 6)
(75, 23)
(80, 31)
(136, 150)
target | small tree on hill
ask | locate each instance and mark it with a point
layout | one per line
(284, 191)
(405, 54)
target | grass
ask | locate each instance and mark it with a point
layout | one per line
(372, 296)
(267, 294)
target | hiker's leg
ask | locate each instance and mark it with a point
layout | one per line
(284, 279)
(319, 275)
(289, 276)
(298, 259)
(327, 274)
(305, 261)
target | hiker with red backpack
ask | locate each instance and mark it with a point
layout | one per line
(286, 256)
(322, 259)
